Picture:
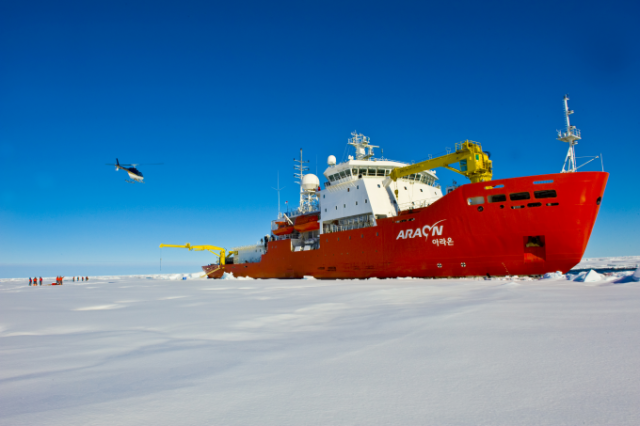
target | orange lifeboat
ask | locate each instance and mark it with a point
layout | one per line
(307, 223)
(283, 229)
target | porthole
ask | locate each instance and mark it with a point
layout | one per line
(439, 265)
(365, 201)
(378, 185)
(480, 208)
(322, 195)
(356, 203)
(598, 201)
(345, 206)
(348, 189)
(464, 265)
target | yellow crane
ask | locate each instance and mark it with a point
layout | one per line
(218, 251)
(474, 164)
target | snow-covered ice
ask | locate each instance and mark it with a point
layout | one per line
(618, 262)
(165, 351)
(590, 276)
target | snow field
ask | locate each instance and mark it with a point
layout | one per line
(151, 350)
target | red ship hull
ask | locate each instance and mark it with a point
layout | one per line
(452, 238)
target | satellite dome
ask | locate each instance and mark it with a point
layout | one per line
(331, 160)
(310, 182)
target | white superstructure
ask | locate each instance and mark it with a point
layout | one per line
(354, 195)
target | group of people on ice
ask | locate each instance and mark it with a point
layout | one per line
(34, 281)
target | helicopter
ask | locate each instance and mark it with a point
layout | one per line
(134, 174)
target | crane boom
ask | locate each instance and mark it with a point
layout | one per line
(218, 251)
(474, 164)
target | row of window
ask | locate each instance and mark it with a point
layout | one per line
(344, 206)
(374, 171)
(480, 208)
(517, 196)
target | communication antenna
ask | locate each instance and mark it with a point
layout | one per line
(361, 143)
(278, 189)
(571, 135)
(300, 169)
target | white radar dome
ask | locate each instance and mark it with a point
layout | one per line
(331, 160)
(310, 182)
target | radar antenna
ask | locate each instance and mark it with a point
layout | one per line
(361, 144)
(571, 136)
(308, 197)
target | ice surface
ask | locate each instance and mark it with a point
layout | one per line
(590, 276)
(553, 275)
(609, 262)
(153, 350)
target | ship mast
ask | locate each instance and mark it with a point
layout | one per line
(308, 196)
(361, 143)
(278, 189)
(571, 135)
(300, 168)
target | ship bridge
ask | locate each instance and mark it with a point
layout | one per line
(354, 195)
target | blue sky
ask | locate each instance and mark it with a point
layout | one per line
(226, 93)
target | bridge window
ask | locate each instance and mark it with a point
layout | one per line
(380, 172)
(363, 172)
(348, 172)
(342, 175)
(372, 172)
(387, 172)
(331, 178)
(355, 172)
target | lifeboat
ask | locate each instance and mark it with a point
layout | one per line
(283, 229)
(307, 223)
